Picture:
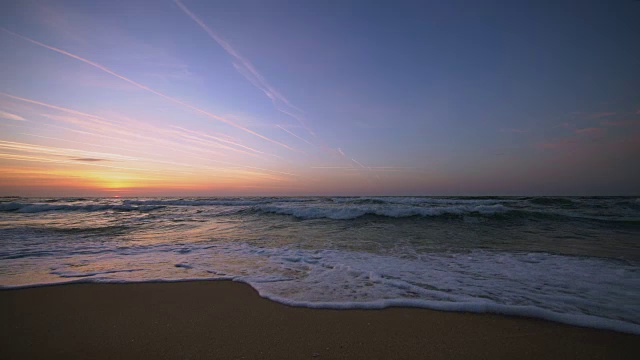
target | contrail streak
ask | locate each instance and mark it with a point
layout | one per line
(49, 105)
(146, 88)
(351, 168)
(362, 166)
(58, 161)
(113, 148)
(246, 69)
(253, 76)
(297, 117)
(101, 119)
(294, 135)
(9, 116)
(17, 146)
(198, 133)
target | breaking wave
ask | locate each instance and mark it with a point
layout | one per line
(36, 208)
(347, 212)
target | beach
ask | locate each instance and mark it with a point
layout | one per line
(229, 320)
(193, 179)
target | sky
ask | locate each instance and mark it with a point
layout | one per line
(227, 98)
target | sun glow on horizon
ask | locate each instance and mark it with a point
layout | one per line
(262, 103)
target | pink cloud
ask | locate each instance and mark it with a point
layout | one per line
(600, 115)
(581, 136)
(590, 131)
(558, 144)
(10, 116)
(621, 123)
(565, 125)
(518, 131)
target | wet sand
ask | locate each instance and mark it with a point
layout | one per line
(227, 320)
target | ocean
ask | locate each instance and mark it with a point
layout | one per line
(573, 260)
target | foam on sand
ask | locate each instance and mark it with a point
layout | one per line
(574, 290)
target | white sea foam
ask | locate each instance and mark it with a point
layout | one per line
(84, 274)
(579, 291)
(574, 290)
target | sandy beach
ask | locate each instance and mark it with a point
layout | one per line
(227, 320)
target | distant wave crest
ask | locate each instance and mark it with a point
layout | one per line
(347, 212)
(620, 210)
(36, 208)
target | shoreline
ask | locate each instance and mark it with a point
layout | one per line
(509, 311)
(229, 320)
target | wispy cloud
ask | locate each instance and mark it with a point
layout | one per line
(359, 164)
(565, 125)
(513, 130)
(558, 144)
(593, 131)
(600, 115)
(246, 69)
(63, 152)
(97, 126)
(9, 116)
(581, 135)
(372, 168)
(38, 153)
(621, 123)
(294, 135)
(148, 89)
(222, 139)
(89, 159)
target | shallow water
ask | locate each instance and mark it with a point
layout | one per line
(573, 260)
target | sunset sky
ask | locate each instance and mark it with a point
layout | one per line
(207, 97)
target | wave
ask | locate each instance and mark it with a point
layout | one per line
(496, 211)
(418, 200)
(552, 201)
(76, 229)
(192, 202)
(346, 208)
(71, 274)
(574, 290)
(347, 212)
(477, 307)
(36, 208)
(215, 202)
(480, 307)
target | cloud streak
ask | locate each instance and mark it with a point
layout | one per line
(601, 115)
(9, 116)
(294, 135)
(516, 131)
(621, 123)
(590, 131)
(148, 89)
(96, 123)
(89, 159)
(558, 144)
(249, 72)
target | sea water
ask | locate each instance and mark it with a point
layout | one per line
(573, 260)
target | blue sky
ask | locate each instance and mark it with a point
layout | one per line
(304, 97)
